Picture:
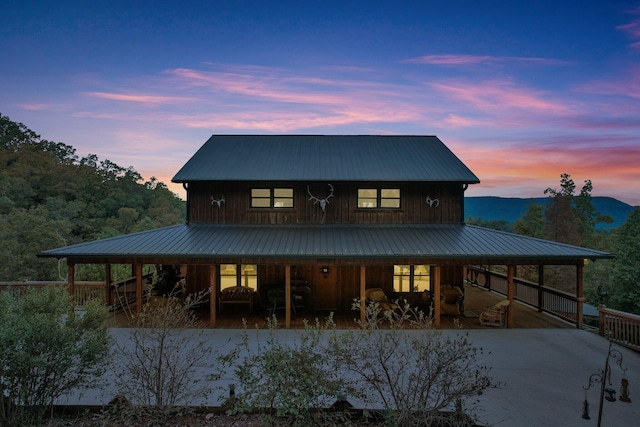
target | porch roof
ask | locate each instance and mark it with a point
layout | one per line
(433, 242)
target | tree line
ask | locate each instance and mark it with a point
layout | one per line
(50, 197)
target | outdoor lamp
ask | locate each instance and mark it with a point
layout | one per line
(325, 270)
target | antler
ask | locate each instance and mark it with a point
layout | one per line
(218, 202)
(323, 202)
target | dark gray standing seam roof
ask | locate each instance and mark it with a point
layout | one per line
(324, 158)
(437, 242)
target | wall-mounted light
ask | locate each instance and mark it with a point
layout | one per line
(325, 270)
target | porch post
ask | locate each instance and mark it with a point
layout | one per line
(579, 294)
(287, 296)
(107, 284)
(540, 286)
(510, 294)
(138, 270)
(71, 279)
(363, 292)
(436, 296)
(213, 291)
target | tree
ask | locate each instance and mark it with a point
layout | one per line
(625, 275)
(532, 222)
(47, 350)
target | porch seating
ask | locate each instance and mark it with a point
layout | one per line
(236, 295)
(451, 300)
(496, 315)
(378, 295)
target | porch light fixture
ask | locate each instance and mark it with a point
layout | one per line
(604, 378)
(325, 270)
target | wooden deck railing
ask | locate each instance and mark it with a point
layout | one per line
(553, 301)
(84, 290)
(622, 328)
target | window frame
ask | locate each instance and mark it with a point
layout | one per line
(411, 275)
(379, 199)
(273, 198)
(241, 278)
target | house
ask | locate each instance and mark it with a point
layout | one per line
(331, 215)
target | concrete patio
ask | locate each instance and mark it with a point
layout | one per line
(543, 372)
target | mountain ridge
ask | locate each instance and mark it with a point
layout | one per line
(510, 209)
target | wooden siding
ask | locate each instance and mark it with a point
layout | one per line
(341, 209)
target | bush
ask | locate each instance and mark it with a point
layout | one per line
(161, 366)
(47, 350)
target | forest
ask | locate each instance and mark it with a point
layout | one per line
(49, 197)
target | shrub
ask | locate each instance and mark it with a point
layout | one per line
(47, 350)
(167, 361)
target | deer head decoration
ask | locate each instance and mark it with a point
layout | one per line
(218, 202)
(433, 202)
(323, 202)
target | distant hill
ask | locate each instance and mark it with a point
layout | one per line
(510, 209)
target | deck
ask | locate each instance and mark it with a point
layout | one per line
(476, 299)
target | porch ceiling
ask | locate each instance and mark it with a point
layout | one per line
(428, 243)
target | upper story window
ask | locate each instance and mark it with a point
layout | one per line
(411, 278)
(276, 198)
(238, 275)
(382, 198)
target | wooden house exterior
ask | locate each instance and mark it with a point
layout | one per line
(335, 214)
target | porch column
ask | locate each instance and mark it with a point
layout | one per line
(540, 286)
(138, 270)
(579, 294)
(436, 296)
(287, 296)
(107, 285)
(511, 291)
(71, 279)
(363, 292)
(213, 294)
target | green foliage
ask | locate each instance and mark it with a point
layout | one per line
(47, 191)
(501, 225)
(292, 377)
(47, 350)
(532, 222)
(624, 292)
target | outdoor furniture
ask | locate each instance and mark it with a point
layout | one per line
(377, 295)
(496, 315)
(451, 300)
(237, 295)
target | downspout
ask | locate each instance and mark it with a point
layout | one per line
(464, 188)
(186, 189)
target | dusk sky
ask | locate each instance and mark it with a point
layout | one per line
(521, 91)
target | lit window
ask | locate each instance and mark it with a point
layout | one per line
(385, 198)
(238, 275)
(276, 198)
(411, 278)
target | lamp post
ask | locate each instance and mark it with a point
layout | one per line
(604, 378)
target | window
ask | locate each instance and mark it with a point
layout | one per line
(384, 198)
(238, 275)
(276, 198)
(411, 278)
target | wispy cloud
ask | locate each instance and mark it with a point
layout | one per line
(465, 60)
(632, 29)
(137, 98)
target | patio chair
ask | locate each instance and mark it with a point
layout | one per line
(496, 315)
(377, 295)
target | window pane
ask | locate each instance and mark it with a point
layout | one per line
(228, 276)
(283, 197)
(260, 203)
(249, 276)
(421, 274)
(390, 198)
(401, 278)
(260, 197)
(367, 198)
(261, 192)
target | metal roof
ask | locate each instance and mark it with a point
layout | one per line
(324, 157)
(432, 241)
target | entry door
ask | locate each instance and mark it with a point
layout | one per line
(325, 289)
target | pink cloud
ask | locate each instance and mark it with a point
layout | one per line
(146, 99)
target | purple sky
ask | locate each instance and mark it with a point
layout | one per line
(521, 91)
